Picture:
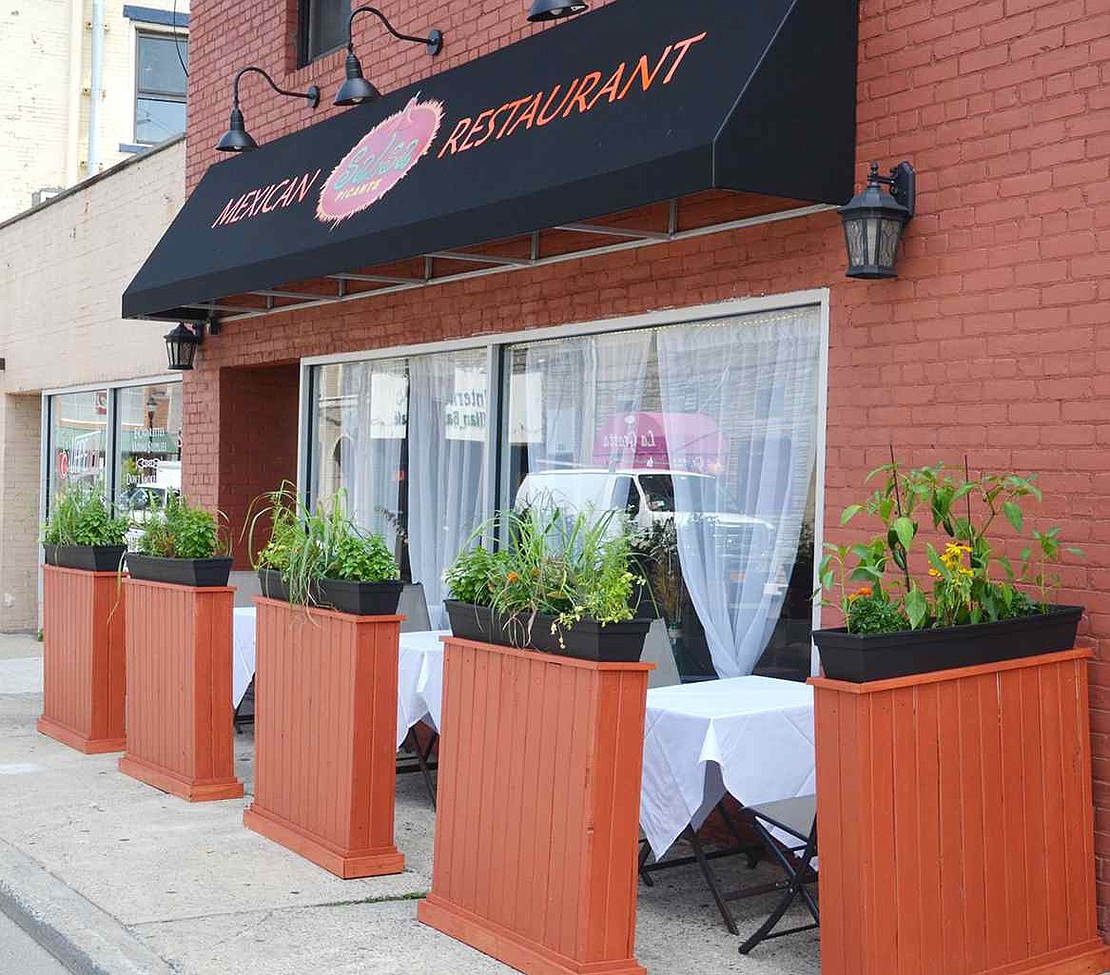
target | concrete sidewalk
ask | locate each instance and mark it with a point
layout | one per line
(117, 878)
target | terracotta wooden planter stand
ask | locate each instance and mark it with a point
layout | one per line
(956, 823)
(537, 817)
(83, 659)
(179, 713)
(326, 737)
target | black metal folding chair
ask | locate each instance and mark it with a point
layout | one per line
(703, 857)
(797, 818)
(411, 757)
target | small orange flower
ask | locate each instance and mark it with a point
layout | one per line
(862, 591)
(512, 578)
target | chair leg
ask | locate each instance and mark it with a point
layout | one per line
(711, 881)
(753, 853)
(798, 877)
(645, 852)
(422, 761)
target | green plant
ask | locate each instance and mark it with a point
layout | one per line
(81, 516)
(970, 579)
(552, 564)
(362, 558)
(655, 550)
(306, 546)
(177, 531)
(473, 574)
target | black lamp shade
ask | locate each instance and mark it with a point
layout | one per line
(873, 223)
(181, 347)
(355, 89)
(555, 9)
(236, 138)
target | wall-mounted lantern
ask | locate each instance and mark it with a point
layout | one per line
(874, 220)
(181, 346)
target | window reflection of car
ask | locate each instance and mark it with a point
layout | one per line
(648, 495)
(139, 503)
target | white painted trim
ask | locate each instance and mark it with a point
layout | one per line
(113, 384)
(654, 319)
(304, 427)
(821, 465)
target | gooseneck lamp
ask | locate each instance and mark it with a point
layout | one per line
(874, 220)
(237, 138)
(555, 9)
(356, 89)
(181, 346)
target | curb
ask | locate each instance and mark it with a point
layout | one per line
(81, 936)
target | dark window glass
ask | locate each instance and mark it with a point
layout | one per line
(160, 87)
(323, 27)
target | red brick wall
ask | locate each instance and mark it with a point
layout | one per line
(991, 342)
(257, 444)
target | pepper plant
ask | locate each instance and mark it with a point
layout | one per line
(969, 580)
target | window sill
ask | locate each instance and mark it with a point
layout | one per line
(133, 147)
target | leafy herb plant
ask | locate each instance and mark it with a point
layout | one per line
(552, 564)
(176, 530)
(306, 546)
(967, 578)
(81, 516)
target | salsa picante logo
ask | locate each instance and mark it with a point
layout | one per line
(382, 158)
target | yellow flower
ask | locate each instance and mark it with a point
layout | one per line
(964, 571)
(935, 573)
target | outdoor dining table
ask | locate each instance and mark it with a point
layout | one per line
(419, 672)
(748, 737)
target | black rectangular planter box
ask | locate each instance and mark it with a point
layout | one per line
(272, 585)
(93, 558)
(361, 598)
(860, 658)
(356, 598)
(586, 640)
(199, 573)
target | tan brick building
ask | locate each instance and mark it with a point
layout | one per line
(71, 364)
(48, 50)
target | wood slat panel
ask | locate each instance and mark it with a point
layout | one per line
(179, 711)
(325, 736)
(83, 659)
(974, 822)
(537, 819)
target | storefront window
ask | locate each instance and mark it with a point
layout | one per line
(704, 435)
(701, 436)
(78, 442)
(124, 443)
(148, 458)
(405, 440)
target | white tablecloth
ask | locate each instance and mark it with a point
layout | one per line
(242, 652)
(419, 671)
(749, 736)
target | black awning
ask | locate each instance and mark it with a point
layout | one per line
(638, 102)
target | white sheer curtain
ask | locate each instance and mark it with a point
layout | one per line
(756, 378)
(580, 383)
(448, 422)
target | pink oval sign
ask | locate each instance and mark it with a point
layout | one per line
(382, 158)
